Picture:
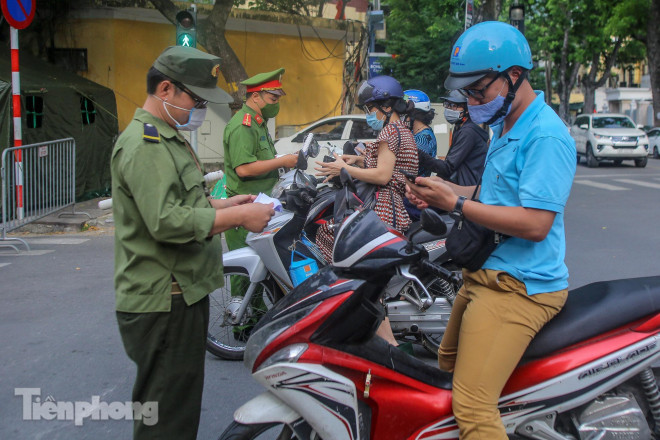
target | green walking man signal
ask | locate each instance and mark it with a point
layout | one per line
(186, 28)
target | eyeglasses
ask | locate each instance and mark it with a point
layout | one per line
(199, 103)
(452, 105)
(477, 93)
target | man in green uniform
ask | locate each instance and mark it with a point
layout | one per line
(250, 158)
(168, 256)
(250, 162)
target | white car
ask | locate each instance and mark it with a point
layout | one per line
(605, 136)
(333, 132)
(654, 142)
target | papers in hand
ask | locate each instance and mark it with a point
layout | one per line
(263, 198)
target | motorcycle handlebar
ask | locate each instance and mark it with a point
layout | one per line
(440, 271)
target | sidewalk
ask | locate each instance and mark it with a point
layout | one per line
(98, 220)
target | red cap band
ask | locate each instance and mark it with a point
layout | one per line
(270, 85)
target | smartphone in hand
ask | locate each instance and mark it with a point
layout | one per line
(411, 177)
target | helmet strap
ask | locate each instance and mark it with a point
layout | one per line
(510, 95)
(387, 114)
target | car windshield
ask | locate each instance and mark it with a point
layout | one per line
(330, 131)
(612, 122)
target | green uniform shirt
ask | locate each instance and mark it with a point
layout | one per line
(162, 220)
(246, 141)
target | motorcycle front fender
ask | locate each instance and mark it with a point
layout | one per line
(265, 408)
(245, 260)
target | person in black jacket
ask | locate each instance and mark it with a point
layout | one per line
(464, 162)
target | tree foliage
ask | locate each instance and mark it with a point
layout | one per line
(296, 7)
(421, 33)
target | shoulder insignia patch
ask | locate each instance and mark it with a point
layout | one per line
(247, 120)
(151, 134)
(259, 119)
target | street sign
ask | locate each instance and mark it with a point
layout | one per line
(19, 13)
(469, 11)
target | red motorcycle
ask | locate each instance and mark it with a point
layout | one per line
(587, 375)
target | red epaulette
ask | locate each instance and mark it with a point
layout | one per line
(259, 119)
(247, 120)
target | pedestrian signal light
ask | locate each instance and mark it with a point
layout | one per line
(186, 28)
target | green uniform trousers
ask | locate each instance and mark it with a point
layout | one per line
(235, 239)
(169, 349)
(492, 322)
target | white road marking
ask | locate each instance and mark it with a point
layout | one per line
(25, 253)
(56, 240)
(601, 185)
(639, 183)
(4, 264)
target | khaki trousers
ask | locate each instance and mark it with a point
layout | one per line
(492, 322)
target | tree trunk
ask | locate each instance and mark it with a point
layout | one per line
(489, 11)
(567, 76)
(590, 83)
(211, 35)
(548, 80)
(653, 54)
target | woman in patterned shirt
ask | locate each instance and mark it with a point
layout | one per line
(394, 149)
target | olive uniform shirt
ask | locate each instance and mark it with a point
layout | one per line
(162, 219)
(246, 140)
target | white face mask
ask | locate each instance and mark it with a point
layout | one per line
(196, 116)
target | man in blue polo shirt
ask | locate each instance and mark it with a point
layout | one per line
(525, 185)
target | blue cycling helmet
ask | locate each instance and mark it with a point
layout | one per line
(490, 46)
(419, 98)
(379, 88)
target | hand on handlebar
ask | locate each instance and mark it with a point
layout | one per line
(290, 160)
(330, 169)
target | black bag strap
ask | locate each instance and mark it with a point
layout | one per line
(476, 189)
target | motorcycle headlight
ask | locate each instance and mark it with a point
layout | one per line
(290, 353)
(269, 332)
(278, 189)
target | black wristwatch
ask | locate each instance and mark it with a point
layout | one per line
(457, 212)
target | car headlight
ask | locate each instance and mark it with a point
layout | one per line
(602, 137)
(643, 140)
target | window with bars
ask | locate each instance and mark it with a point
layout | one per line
(34, 106)
(87, 111)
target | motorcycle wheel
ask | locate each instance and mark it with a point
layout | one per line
(239, 431)
(222, 340)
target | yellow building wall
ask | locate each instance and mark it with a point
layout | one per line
(120, 53)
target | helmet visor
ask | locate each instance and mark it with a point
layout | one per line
(365, 93)
(461, 80)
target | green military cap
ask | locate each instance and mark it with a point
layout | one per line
(196, 70)
(267, 82)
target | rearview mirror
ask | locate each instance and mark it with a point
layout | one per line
(584, 126)
(432, 222)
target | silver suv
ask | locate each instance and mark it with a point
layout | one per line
(604, 136)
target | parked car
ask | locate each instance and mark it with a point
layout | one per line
(606, 136)
(654, 142)
(334, 131)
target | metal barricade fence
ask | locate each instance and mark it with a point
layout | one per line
(37, 180)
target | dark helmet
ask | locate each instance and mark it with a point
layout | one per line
(379, 88)
(456, 97)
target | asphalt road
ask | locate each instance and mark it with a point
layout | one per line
(59, 336)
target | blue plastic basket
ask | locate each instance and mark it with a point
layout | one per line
(302, 269)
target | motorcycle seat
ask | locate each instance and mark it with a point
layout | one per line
(594, 309)
(382, 353)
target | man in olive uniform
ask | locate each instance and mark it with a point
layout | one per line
(168, 254)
